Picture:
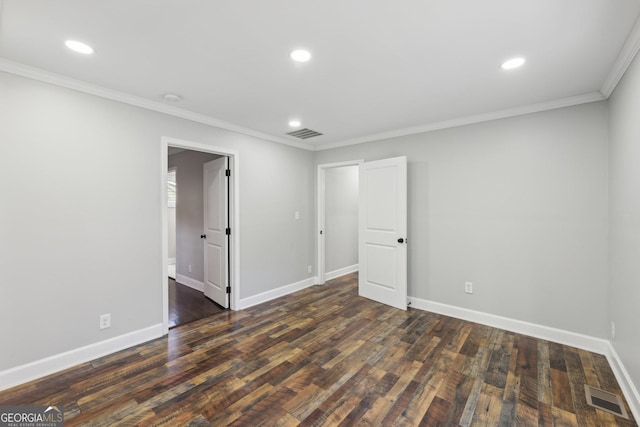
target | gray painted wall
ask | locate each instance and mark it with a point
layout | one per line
(190, 212)
(517, 206)
(341, 217)
(78, 240)
(624, 204)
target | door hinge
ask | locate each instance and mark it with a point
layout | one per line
(228, 231)
(227, 172)
(228, 289)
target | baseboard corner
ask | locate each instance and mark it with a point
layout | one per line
(585, 342)
(624, 380)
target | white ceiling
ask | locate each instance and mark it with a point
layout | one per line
(379, 67)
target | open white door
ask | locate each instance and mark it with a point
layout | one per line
(215, 225)
(383, 231)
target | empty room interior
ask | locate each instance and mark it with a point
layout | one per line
(387, 213)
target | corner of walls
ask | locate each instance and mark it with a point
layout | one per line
(585, 342)
(624, 380)
(623, 86)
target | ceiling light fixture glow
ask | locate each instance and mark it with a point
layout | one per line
(513, 63)
(79, 47)
(294, 123)
(300, 55)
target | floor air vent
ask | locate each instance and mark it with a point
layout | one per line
(606, 401)
(304, 133)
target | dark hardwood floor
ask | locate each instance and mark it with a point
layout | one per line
(324, 356)
(187, 304)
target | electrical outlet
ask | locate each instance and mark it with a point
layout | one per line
(468, 287)
(309, 269)
(297, 215)
(105, 321)
(613, 331)
(189, 268)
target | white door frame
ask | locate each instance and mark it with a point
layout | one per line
(320, 214)
(234, 219)
(175, 260)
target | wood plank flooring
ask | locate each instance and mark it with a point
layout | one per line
(187, 305)
(324, 356)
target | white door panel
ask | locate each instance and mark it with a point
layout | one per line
(381, 266)
(382, 188)
(383, 231)
(215, 225)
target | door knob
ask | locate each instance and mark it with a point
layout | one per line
(401, 240)
(203, 236)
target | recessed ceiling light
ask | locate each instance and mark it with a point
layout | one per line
(300, 55)
(294, 123)
(79, 47)
(172, 97)
(513, 63)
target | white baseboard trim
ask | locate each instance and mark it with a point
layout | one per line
(341, 272)
(188, 281)
(624, 380)
(276, 293)
(171, 261)
(49, 365)
(585, 342)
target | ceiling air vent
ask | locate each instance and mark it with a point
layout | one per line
(606, 401)
(304, 133)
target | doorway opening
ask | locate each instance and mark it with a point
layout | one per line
(207, 230)
(337, 215)
(381, 228)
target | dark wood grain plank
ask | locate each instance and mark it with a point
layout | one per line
(561, 390)
(325, 356)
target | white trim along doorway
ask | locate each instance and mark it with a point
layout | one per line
(234, 217)
(320, 214)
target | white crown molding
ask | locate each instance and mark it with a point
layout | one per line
(462, 121)
(114, 95)
(626, 56)
(623, 61)
(58, 362)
